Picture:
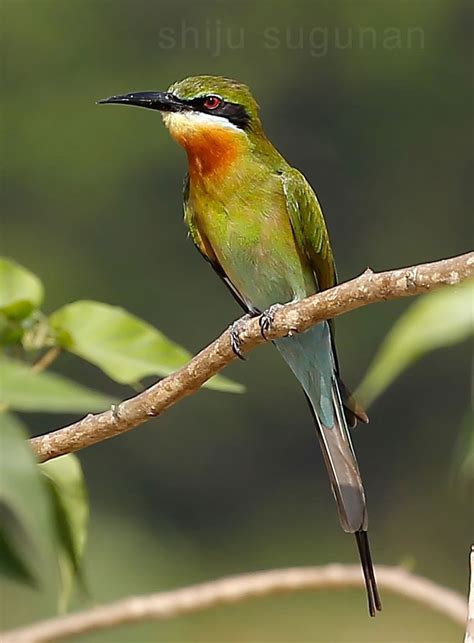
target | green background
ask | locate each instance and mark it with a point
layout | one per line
(92, 203)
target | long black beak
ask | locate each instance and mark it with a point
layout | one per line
(162, 101)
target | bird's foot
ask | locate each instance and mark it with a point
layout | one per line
(266, 319)
(235, 331)
(115, 408)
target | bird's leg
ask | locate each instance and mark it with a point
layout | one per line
(266, 319)
(235, 330)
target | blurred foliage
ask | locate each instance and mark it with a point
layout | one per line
(71, 512)
(26, 519)
(24, 390)
(44, 514)
(50, 511)
(21, 292)
(125, 347)
(91, 202)
(463, 465)
(442, 318)
(46, 510)
(27, 522)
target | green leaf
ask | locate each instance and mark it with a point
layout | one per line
(27, 521)
(13, 563)
(11, 330)
(23, 390)
(21, 291)
(125, 347)
(70, 501)
(442, 318)
(464, 451)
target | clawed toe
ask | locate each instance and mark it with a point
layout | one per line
(235, 330)
(265, 320)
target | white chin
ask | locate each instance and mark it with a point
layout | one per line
(190, 121)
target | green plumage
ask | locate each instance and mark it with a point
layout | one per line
(261, 227)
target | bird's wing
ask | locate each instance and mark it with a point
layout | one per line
(311, 235)
(207, 252)
(309, 227)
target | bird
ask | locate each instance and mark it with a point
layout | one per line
(257, 221)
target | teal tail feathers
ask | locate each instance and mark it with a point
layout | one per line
(310, 356)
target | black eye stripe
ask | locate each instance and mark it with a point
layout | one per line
(236, 114)
(199, 101)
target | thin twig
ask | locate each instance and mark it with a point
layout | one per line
(233, 589)
(46, 359)
(368, 288)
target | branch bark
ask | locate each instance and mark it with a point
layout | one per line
(368, 288)
(233, 589)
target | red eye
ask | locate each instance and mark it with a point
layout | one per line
(212, 102)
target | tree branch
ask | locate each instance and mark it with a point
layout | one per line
(368, 288)
(233, 589)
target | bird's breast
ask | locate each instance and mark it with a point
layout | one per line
(251, 236)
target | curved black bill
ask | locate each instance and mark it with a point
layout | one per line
(161, 101)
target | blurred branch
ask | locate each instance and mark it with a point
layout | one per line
(469, 638)
(46, 359)
(368, 288)
(233, 589)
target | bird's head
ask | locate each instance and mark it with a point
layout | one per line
(212, 117)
